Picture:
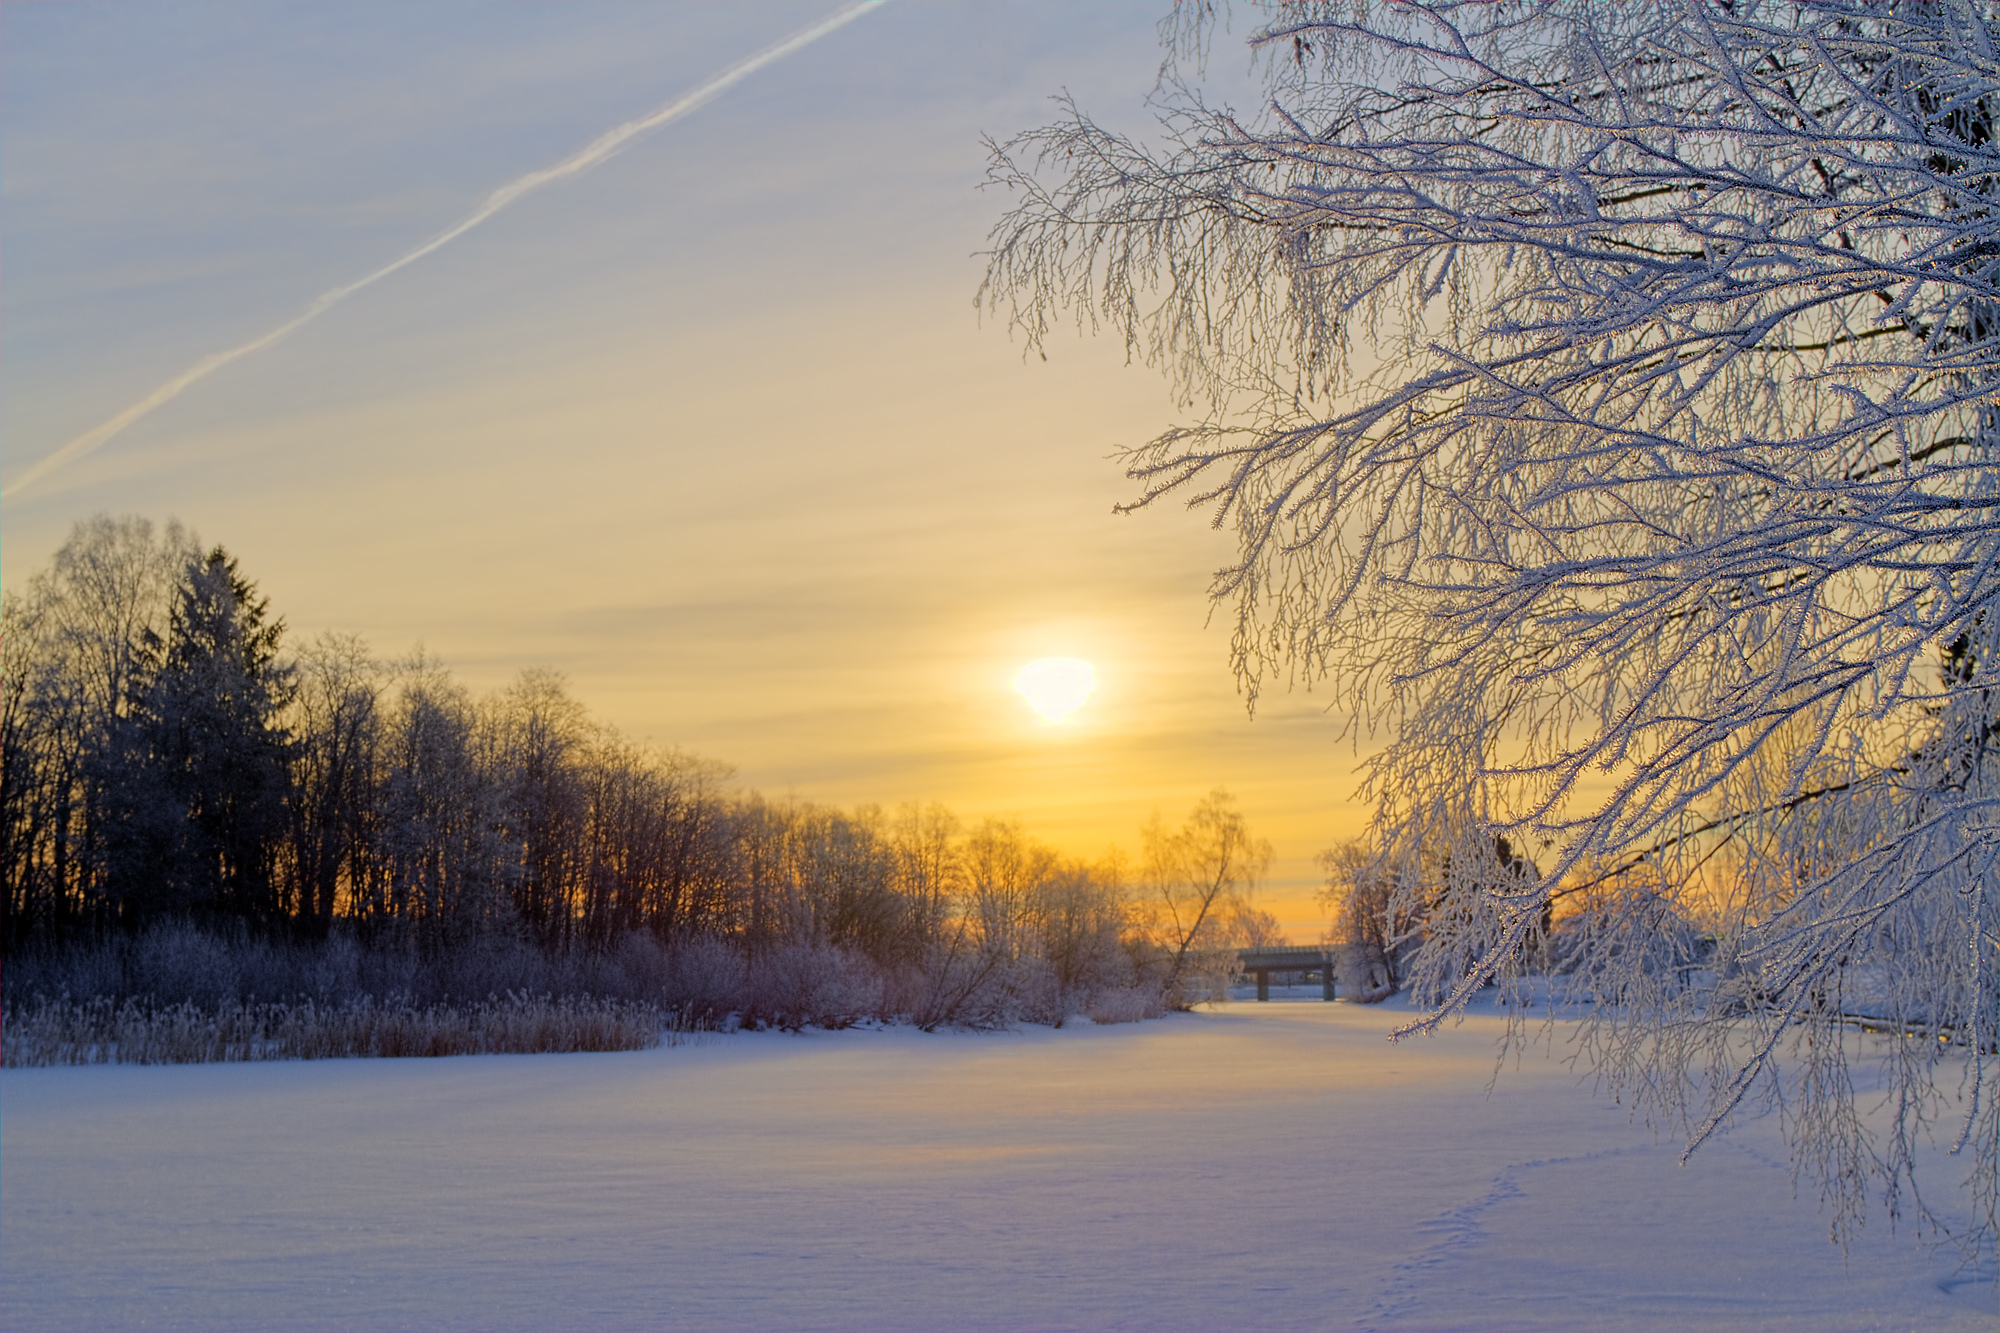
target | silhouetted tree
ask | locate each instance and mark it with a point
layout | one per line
(74, 645)
(164, 769)
(1191, 879)
(196, 777)
(336, 725)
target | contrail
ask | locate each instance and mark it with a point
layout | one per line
(580, 161)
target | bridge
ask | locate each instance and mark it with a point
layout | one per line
(1261, 963)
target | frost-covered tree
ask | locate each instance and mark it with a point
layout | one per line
(72, 653)
(1195, 884)
(196, 776)
(442, 866)
(1604, 395)
(336, 723)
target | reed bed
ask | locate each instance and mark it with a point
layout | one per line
(42, 1031)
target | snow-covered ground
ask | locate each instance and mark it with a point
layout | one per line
(1260, 1166)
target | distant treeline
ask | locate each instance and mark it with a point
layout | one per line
(172, 770)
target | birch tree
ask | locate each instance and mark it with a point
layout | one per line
(337, 729)
(1604, 397)
(71, 646)
(1193, 881)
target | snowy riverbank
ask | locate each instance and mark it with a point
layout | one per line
(1259, 1166)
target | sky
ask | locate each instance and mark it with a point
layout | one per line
(715, 428)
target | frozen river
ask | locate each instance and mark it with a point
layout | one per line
(1262, 1166)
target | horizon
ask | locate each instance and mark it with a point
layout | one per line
(713, 428)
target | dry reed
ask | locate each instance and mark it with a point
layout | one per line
(42, 1031)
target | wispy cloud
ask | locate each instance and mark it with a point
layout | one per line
(592, 153)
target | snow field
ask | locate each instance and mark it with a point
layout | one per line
(1260, 1166)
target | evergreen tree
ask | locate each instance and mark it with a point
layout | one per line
(197, 777)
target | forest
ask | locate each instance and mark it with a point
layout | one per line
(211, 832)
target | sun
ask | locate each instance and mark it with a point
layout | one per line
(1056, 686)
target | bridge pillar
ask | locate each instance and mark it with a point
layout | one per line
(1326, 982)
(1263, 983)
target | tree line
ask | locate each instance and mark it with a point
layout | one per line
(168, 762)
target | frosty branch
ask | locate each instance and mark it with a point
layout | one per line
(1604, 396)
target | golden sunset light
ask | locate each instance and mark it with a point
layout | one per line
(505, 416)
(1012, 665)
(1055, 687)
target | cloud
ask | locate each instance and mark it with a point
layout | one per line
(597, 150)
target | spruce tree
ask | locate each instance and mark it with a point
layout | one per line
(197, 777)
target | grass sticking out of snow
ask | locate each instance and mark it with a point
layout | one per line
(61, 1032)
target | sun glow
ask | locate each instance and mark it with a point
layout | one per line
(1056, 686)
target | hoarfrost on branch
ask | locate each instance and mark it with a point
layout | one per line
(1606, 397)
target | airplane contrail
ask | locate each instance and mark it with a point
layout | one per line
(582, 160)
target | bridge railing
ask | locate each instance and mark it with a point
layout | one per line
(1261, 963)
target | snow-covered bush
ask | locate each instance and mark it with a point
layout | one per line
(704, 978)
(802, 985)
(1124, 1004)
